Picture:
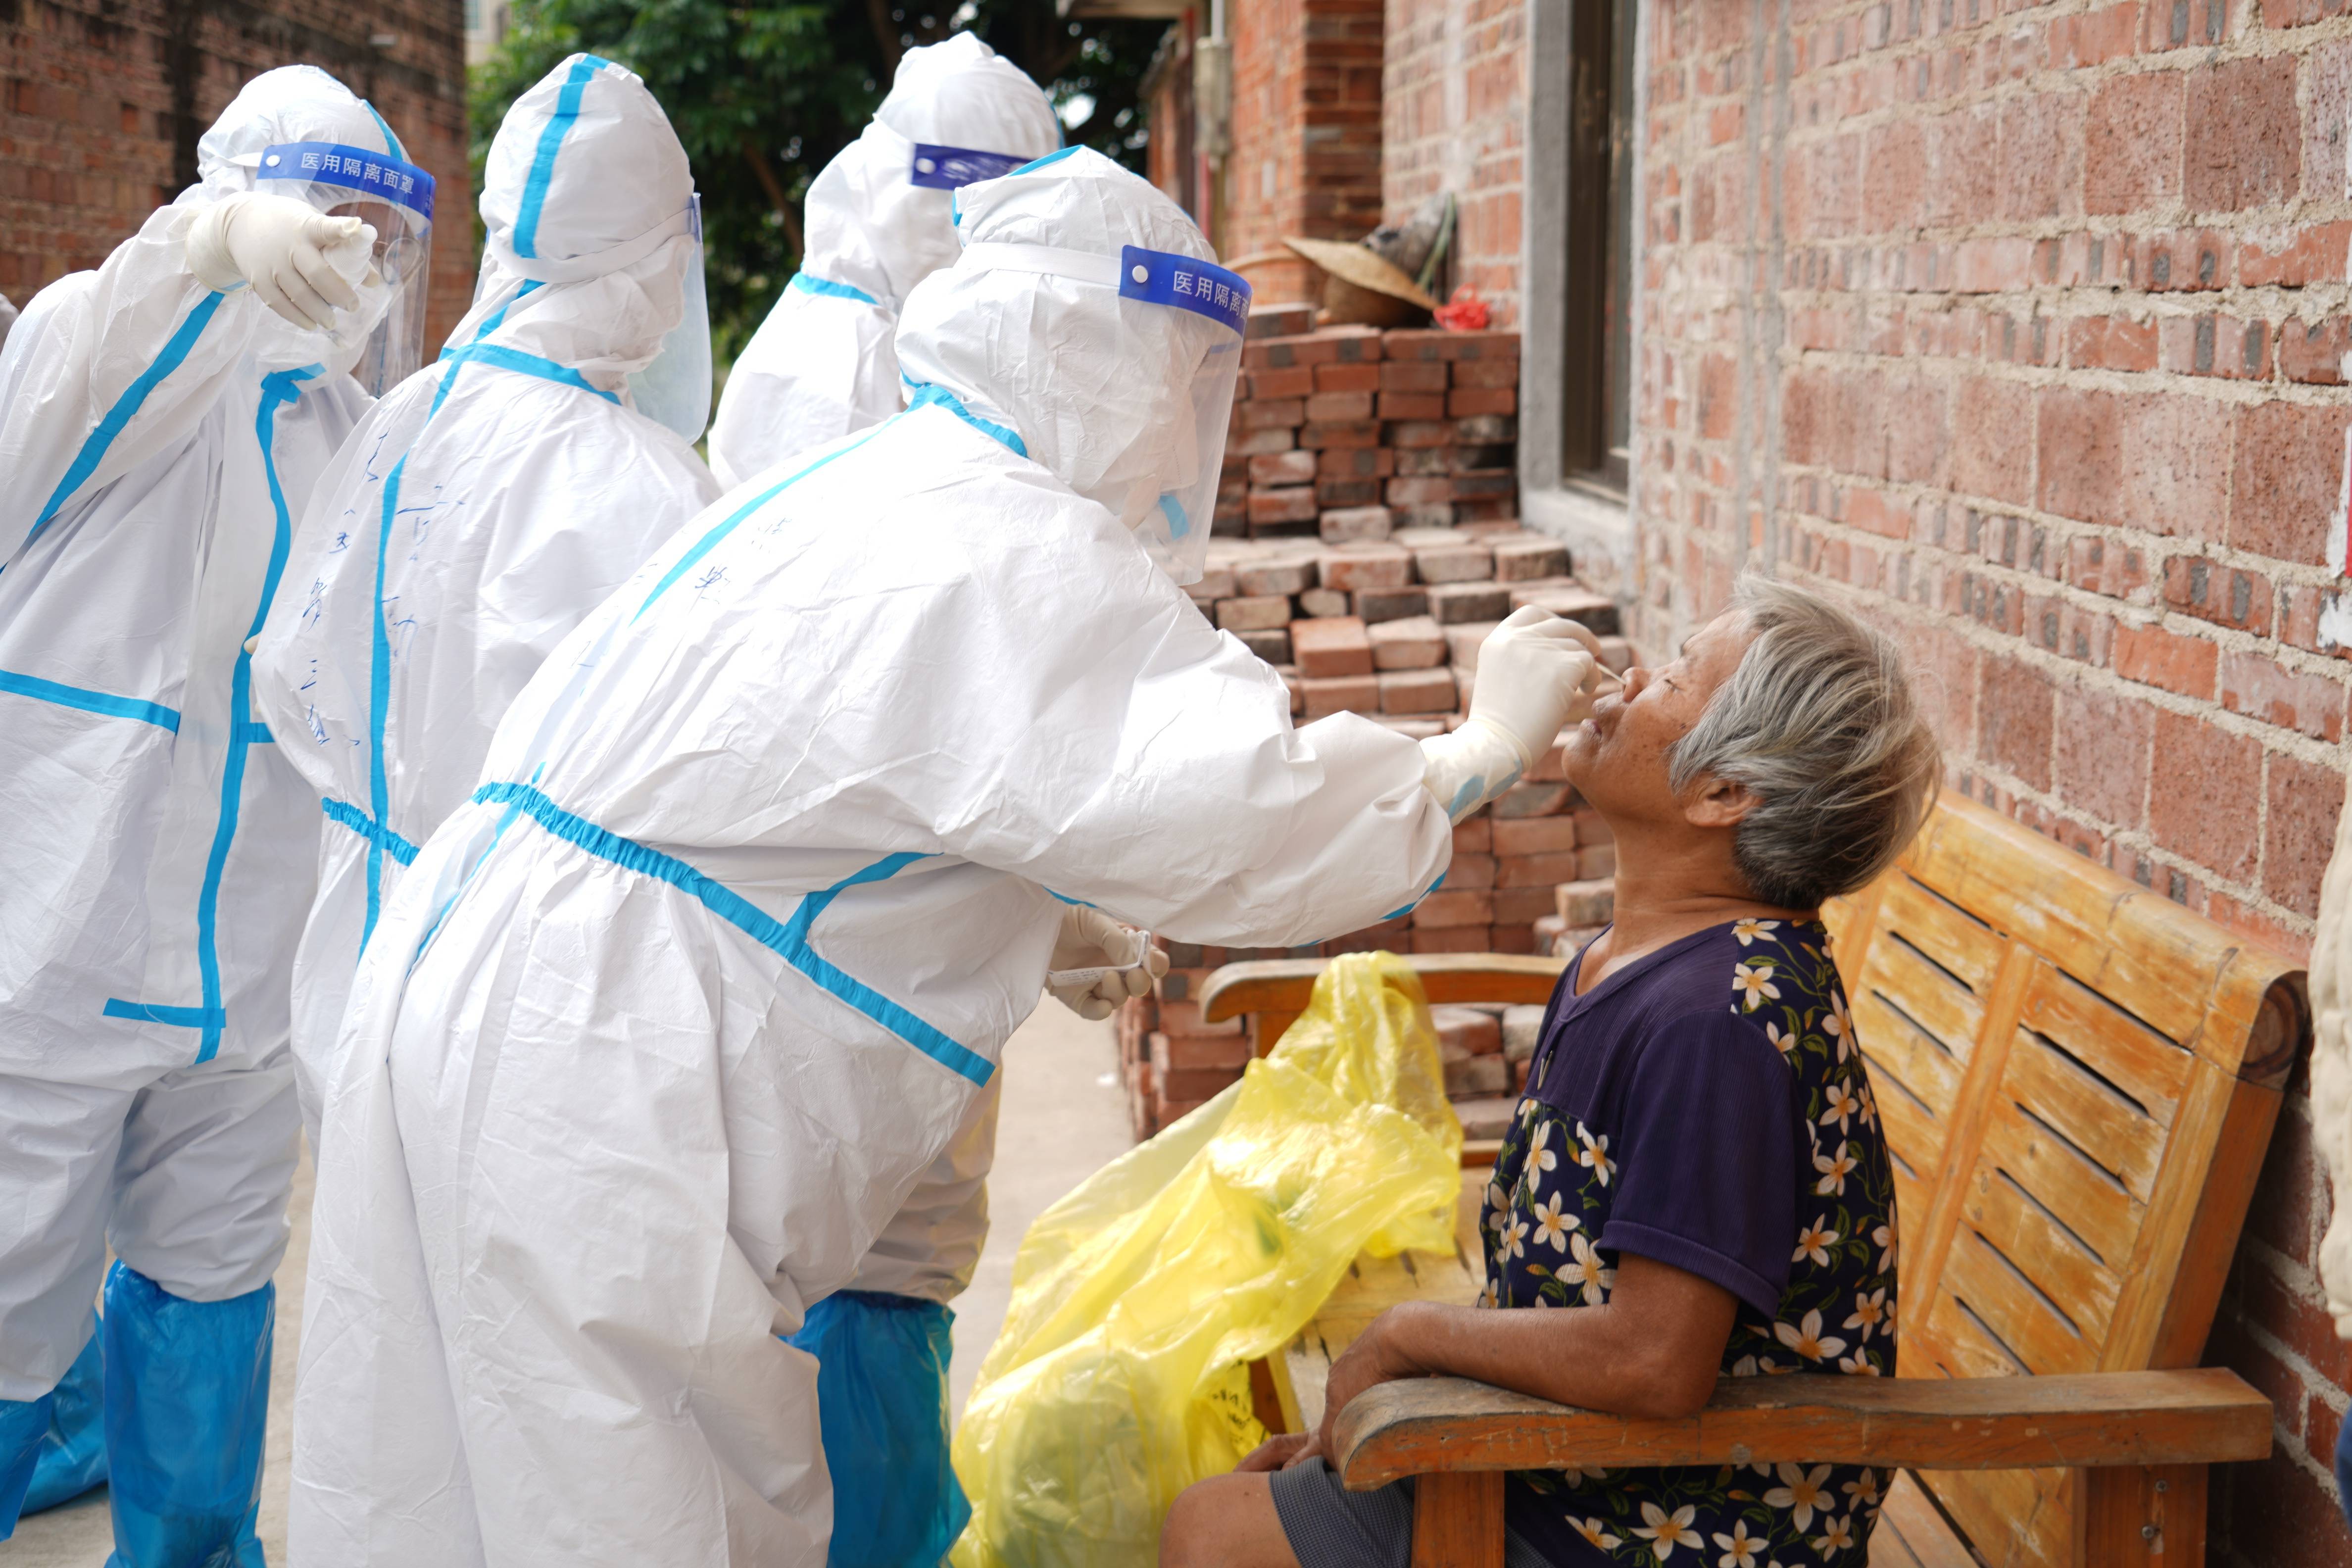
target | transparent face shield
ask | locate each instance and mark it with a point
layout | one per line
(1206, 339)
(394, 199)
(675, 389)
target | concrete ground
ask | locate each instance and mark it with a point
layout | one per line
(1063, 1117)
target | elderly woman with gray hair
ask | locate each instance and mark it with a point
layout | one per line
(1697, 1169)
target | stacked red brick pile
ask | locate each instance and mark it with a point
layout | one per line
(1419, 420)
(1389, 623)
(1369, 546)
(1368, 520)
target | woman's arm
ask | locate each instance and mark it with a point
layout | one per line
(1652, 1349)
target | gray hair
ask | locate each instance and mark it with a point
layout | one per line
(1819, 723)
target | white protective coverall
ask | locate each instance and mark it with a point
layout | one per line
(158, 439)
(663, 1026)
(821, 365)
(487, 505)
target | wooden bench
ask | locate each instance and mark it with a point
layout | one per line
(2078, 1080)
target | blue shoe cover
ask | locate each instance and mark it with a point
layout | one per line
(187, 1398)
(22, 1423)
(73, 1454)
(882, 1399)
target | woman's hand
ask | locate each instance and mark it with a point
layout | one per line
(1377, 1356)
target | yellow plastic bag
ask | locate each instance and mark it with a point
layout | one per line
(1120, 1377)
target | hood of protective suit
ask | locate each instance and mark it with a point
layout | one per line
(1099, 386)
(292, 104)
(869, 225)
(587, 200)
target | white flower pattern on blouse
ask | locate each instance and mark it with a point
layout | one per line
(1550, 1201)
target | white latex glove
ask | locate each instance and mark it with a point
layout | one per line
(1537, 671)
(301, 262)
(1099, 963)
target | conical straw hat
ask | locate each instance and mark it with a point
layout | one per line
(1363, 268)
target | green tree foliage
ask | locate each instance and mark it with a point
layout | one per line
(763, 98)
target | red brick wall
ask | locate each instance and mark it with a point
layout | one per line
(2022, 328)
(1306, 156)
(1453, 117)
(101, 100)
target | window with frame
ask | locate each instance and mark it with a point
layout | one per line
(1596, 403)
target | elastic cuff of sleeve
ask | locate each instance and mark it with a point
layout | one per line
(207, 246)
(1471, 766)
(1519, 749)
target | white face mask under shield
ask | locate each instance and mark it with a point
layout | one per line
(1169, 502)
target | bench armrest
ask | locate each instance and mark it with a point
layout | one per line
(1284, 985)
(2207, 1414)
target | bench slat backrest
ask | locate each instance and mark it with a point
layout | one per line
(2078, 1080)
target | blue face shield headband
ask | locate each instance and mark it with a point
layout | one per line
(1162, 278)
(938, 168)
(1176, 532)
(378, 175)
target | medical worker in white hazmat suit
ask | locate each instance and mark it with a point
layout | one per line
(162, 420)
(487, 504)
(770, 858)
(880, 220)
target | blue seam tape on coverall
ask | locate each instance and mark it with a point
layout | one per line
(211, 1017)
(550, 142)
(1035, 165)
(787, 938)
(810, 283)
(277, 390)
(929, 395)
(126, 407)
(926, 394)
(391, 143)
(89, 702)
(379, 680)
(710, 541)
(497, 319)
(153, 1013)
(497, 836)
(516, 359)
(374, 832)
(380, 642)
(1404, 910)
